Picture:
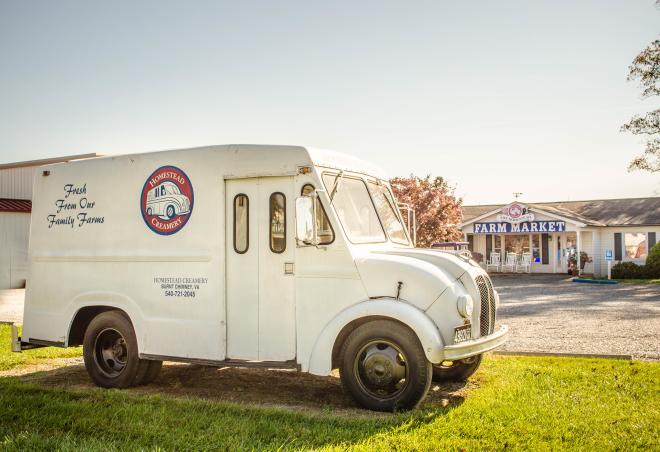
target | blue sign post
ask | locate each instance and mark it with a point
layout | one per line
(609, 257)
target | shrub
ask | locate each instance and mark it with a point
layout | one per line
(627, 270)
(630, 270)
(653, 262)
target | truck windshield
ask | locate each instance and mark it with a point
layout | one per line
(355, 209)
(385, 206)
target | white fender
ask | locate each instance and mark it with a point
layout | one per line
(110, 299)
(320, 360)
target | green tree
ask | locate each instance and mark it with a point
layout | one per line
(646, 68)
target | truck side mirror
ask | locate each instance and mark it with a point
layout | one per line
(305, 221)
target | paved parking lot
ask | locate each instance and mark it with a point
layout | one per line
(549, 313)
(546, 313)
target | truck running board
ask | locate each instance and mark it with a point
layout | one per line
(17, 345)
(290, 365)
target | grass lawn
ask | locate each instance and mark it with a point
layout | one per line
(9, 360)
(520, 403)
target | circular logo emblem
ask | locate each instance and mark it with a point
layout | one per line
(167, 200)
(516, 210)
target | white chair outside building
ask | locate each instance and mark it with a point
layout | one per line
(525, 263)
(494, 261)
(511, 262)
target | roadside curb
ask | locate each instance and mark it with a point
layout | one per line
(564, 355)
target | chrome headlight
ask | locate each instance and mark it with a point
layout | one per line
(465, 305)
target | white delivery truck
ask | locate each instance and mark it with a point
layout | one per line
(248, 255)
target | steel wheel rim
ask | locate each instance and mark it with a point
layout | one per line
(380, 368)
(110, 352)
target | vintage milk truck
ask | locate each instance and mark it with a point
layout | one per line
(246, 255)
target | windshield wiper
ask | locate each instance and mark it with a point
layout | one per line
(335, 189)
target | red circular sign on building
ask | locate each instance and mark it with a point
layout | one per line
(516, 210)
(167, 200)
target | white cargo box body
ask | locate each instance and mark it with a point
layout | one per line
(153, 235)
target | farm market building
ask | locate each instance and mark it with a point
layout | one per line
(552, 232)
(15, 207)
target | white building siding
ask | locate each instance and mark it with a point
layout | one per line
(16, 183)
(14, 234)
(607, 242)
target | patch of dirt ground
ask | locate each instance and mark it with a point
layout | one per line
(263, 387)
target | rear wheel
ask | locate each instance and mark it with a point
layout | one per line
(150, 373)
(110, 351)
(461, 370)
(384, 368)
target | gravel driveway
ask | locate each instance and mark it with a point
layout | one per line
(549, 313)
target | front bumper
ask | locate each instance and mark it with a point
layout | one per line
(476, 346)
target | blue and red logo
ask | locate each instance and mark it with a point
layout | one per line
(167, 200)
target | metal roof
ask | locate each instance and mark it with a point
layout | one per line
(40, 162)
(15, 205)
(599, 212)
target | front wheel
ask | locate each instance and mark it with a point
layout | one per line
(461, 370)
(171, 212)
(384, 368)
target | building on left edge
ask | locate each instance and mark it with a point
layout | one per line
(15, 208)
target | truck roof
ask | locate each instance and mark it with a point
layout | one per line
(253, 158)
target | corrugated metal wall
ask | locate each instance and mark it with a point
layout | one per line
(14, 234)
(16, 183)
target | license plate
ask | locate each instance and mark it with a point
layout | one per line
(462, 333)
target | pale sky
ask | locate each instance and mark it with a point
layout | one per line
(498, 97)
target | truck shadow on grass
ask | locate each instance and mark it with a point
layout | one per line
(283, 389)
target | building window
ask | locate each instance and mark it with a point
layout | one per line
(518, 243)
(635, 243)
(277, 222)
(241, 223)
(498, 244)
(323, 227)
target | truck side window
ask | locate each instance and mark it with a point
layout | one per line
(324, 229)
(277, 222)
(241, 223)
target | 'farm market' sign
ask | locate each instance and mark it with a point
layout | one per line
(524, 227)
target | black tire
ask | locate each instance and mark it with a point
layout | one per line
(375, 356)
(170, 212)
(110, 351)
(149, 211)
(152, 369)
(452, 371)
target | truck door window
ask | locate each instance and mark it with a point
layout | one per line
(323, 227)
(241, 223)
(277, 222)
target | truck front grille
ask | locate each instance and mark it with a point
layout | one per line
(487, 303)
